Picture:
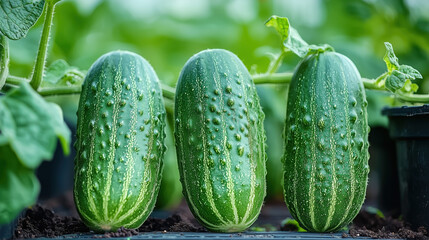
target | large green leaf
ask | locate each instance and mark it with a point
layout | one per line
(31, 126)
(4, 60)
(18, 185)
(292, 41)
(18, 16)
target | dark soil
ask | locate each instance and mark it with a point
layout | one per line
(370, 225)
(373, 226)
(42, 222)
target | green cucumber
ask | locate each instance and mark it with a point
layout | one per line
(220, 141)
(326, 151)
(120, 142)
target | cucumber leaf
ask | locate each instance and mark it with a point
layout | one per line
(60, 73)
(18, 185)
(410, 72)
(18, 16)
(395, 81)
(291, 39)
(4, 60)
(399, 77)
(29, 128)
(390, 58)
(281, 24)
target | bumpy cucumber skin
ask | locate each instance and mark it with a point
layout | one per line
(326, 152)
(220, 141)
(120, 142)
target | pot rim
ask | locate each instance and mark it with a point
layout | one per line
(406, 111)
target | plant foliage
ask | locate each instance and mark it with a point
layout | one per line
(18, 16)
(29, 128)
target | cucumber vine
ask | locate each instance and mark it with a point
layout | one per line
(397, 80)
(39, 67)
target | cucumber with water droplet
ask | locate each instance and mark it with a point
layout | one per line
(326, 151)
(220, 141)
(120, 142)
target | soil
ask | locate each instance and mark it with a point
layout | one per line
(370, 225)
(373, 226)
(42, 221)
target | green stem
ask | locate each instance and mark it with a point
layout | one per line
(39, 66)
(381, 77)
(371, 84)
(275, 78)
(274, 66)
(413, 98)
(63, 90)
(168, 92)
(409, 97)
(15, 80)
(375, 84)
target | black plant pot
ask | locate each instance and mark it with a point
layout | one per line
(409, 127)
(384, 171)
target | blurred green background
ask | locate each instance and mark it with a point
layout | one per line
(168, 32)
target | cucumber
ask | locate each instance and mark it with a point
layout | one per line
(220, 141)
(120, 142)
(326, 151)
(170, 192)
